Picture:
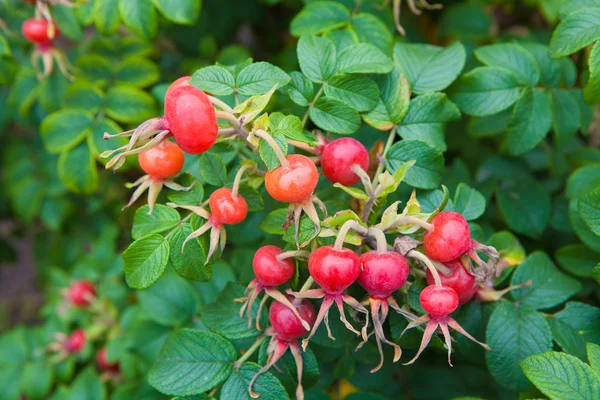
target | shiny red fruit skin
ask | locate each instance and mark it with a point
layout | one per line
(183, 81)
(459, 279)
(449, 239)
(286, 325)
(103, 361)
(191, 119)
(80, 291)
(163, 161)
(294, 183)
(382, 274)
(438, 302)
(269, 270)
(76, 342)
(334, 270)
(339, 156)
(227, 209)
(36, 31)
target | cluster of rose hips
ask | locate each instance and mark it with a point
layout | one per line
(81, 294)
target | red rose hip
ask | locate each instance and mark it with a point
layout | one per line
(334, 270)
(269, 270)
(226, 208)
(294, 183)
(449, 238)
(163, 161)
(459, 279)
(382, 274)
(286, 325)
(438, 301)
(36, 30)
(339, 156)
(183, 81)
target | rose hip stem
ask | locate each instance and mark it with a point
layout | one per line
(423, 258)
(238, 178)
(345, 229)
(269, 139)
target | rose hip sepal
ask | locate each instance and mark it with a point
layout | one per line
(339, 157)
(161, 164)
(334, 269)
(438, 302)
(272, 267)
(382, 274)
(189, 117)
(287, 325)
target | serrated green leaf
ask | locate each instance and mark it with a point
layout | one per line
(145, 260)
(583, 181)
(252, 107)
(64, 129)
(394, 102)
(272, 222)
(77, 169)
(128, 104)
(561, 376)
(525, 206)
(83, 95)
(317, 57)
(259, 78)
(575, 32)
(427, 172)
(191, 197)
(139, 16)
(530, 121)
(213, 79)
(290, 126)
(36, 379)
(252, 197)
(577, 259)
(267, 386)
(593, 354)
(390, 182)
(106, 15)
(364, 58)
(66, 19)
(566, 115)
(87, 385)
(574, 326)
(514, 332)
(137, 71)
(335, 116)
(591, 91)
(429, 68)
(301, 89)
(94, 69)
(490, 125)
(549, 287)
(352, 191)
(370, 29)
(161, 219)
(268, 155)
(212, 169)
(183, 12)
(485, 91)
(190, 264)
(192, 362)
(319, 17)
(512, 57)
(589, 210)
(468, 202)
(589, 238)
(357, 91)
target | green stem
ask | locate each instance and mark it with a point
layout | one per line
(249, 352)
(238, 178)
(388, 144)
(319, 93)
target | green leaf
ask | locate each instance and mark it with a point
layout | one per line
(191, 197)
(364, 58)
(223, 316)
(290, 126)
(577, 259)
(267, 386)
(485, 91)
(96, 141)
(64, 129)
(28, 198)
(525, 206)
(370, 29)
(567, 7)
(512, 57)
(426, 173)
(426, 119)
(335, 116)
(259, 78)
(94, 69)
(128, 104)
(137, 71)
(530, 121)
(170, 301)
(189, 264)
(561, 376)
(352, 191)
(589, 210)
(390, 183)
(574, 326)
(36, 379)
(317, 57)
(212, 169)
(301, 89)
(306, 232)
(430, 68)
(106, 15)
(77, 169)
(145, 260)
(591, 91)
(394, 102)
(490, 125)
(550, 69)
(139, 16)
(83, 95)
(589, 238)
(252, 197)
(271, 224)
(319, 17)
(593, 354)
(66, 20)
(87, 386)
(184, 12)
(575, 32)
(514, 332)
(161, 219)
(214, 79)
(268, 155)
(359, 92)
(583, 181)
(566, 115)
(192, 362)
(549, 286)
(249, 109)
(468, 202)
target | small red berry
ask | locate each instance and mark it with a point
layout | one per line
(438, 302)
(36, 30)
(191, 119)
(339, 156)
(81, 293)
(334, 270)
(269, 270)
(163, 161)
(286, 325)
(183, 81)
(76, 342)
(227, 209)
(382, 274)
(294, 183)
(459, 279)
(102, 360)
(450, 237)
